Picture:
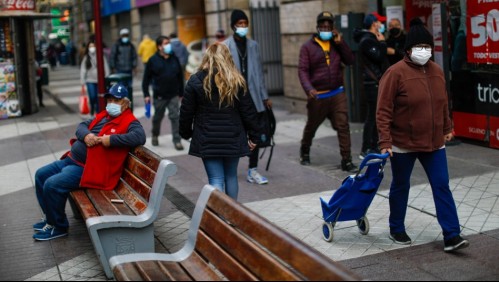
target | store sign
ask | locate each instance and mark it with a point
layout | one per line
(483, 31)
(111, 7)
(18, 5)
(419, 8)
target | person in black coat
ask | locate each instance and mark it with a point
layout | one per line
(220, 117)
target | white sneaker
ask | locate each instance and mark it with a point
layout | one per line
(255, 177)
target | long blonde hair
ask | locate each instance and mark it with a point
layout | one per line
(219, 64)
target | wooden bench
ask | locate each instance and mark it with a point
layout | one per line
(127, 227)
(228, 241)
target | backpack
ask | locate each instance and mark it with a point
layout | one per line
(268, 120)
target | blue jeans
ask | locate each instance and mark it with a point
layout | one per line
(222, 174)
(92, 91)
(53, 183)
(435, 166)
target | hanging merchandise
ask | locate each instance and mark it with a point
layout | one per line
(9, 100)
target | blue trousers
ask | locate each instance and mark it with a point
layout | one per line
(222, 174)
(435, 166)
(93, 96)
(53, 183)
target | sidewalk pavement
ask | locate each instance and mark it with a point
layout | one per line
(290, 200)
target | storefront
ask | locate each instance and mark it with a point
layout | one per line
(475, 73)
(149, 15)
(17, 62)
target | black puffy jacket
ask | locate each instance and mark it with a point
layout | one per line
(217, 131)
(373, 55)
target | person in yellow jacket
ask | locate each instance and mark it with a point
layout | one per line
(147, 48)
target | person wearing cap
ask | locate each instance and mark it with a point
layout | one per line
(413, 124)
(320, 72)
(373, 55)
(246, 55)
(123, 58)
(96, 160)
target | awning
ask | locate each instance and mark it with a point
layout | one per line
(27, 14)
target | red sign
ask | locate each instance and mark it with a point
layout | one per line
(494, 132)
(419, 8)
(472, 126)
(482, 21)
(18, 5)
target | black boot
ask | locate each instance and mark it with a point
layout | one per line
(304, 156)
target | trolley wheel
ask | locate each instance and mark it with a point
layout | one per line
(327, 231)
(363, 225)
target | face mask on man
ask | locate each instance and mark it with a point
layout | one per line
(420, 55)
(382, 28)
(325, 35)
(394, 31)
(242, 31)
(91, 50)
(167, 49)
(124, 40)
(113, 109)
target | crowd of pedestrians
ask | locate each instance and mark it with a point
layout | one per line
(221, 110)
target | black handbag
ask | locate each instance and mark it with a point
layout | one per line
(268, 121)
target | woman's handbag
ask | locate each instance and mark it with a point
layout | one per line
(84, 110)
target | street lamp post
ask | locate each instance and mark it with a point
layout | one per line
(100, 60)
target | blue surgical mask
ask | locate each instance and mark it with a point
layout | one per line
(124, 40)
(326, 35)
(113, 109)
(382, 28)
(242, 31)
(167, 49)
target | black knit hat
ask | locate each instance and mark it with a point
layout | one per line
(418, 34)
(236, 16)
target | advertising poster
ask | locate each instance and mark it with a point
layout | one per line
(419, 8)
(9, 102)
(111, 7)
(476, 106)
(483, 31)
(395, 12)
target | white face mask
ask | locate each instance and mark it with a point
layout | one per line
(420, 57)
(91, 50)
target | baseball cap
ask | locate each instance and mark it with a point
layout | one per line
(372, 18)
(325, 16)
(124, 31)
(117, 91)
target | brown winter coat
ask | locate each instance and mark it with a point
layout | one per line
(413, 111)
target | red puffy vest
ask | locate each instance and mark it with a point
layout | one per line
(104, 166)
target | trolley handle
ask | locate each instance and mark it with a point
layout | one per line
(369, 159)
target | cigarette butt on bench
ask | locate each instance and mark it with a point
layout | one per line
(118, 201)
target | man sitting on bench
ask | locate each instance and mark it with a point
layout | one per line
(96, 160)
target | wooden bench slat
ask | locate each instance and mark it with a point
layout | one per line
(223, 261)
(101, 199)
(199, 269)
(149, 271)
(259, 262)
(141, 170)
(131, 198)
(142, 188)
(146, 156)
(127, 272)
(84, 204)
(309, 262)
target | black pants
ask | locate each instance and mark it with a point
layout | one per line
(39, 91)
(370, 138)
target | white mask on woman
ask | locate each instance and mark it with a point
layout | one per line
(422, 56)
(91, 50)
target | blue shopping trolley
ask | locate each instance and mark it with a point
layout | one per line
(352, 200)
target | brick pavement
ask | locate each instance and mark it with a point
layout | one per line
(290, 201)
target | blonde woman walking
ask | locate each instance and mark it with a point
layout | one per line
(220, 117)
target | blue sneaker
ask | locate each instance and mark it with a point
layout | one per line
(49, 232)
(39, 226)
(255, 177)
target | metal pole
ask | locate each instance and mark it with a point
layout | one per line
(100, 59)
